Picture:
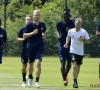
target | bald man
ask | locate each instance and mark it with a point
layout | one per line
(35, 32)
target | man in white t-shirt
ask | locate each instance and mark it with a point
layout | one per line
(78, 36)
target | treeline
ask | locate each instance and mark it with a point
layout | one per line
(51, 11)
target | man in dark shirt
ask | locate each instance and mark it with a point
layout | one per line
(24, 58)
(62, 30)
(35, 32)
(3, 38)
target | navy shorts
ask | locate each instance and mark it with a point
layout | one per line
(24, 58)
(76, 58)
(99, 47)
(35, 52)
(63, 53)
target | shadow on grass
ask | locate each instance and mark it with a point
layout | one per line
(44, 87)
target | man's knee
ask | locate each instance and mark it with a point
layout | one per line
(38, 63)
(74, 66)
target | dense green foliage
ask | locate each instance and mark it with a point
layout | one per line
(50, 13)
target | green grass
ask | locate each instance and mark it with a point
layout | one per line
(11, 79)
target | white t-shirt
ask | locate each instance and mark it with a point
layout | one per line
(77, 46)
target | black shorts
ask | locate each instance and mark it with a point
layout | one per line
(35, 52)
(24, 58)
(76, 58)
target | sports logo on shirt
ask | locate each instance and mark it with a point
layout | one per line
(1, 35)
(73, 58)
(41, 28)
(72, 36)
(61, 58)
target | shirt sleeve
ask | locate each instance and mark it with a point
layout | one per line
(57, 26)
(86, 35)
(5, 37)
(43, 27)
(20, 34)
(27, 28)
(68, 33)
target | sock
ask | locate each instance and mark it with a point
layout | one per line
(24, 76)
(64, 77)
(37, 79)
(30, 76)
(75, 80)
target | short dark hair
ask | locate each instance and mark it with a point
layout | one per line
(67, 10)
(0, 22)
(28, 16)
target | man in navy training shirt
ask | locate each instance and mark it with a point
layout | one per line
(35, 32)
(62, 30)
(24, 58)
(3, 38)
(98, 35)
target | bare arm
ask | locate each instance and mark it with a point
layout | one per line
(67, 42)
(67, 39)
(20, 39)
(97, 33)
(87, 41)
(27, 35)
(84, 40)
(44, 35)
(58, 35)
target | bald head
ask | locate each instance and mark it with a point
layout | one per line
(36, 15)
(36, 11)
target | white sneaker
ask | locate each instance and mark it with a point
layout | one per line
(37, 85)
(24, 84)
(30, 82)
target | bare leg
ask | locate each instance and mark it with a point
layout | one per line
(68, 67)
(30, 68)
(23, 70)
(38, 72)
(38, 68)
(75, 72)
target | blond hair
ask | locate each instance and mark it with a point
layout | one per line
(36, 11)
(79, 20)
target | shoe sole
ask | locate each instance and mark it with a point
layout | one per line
(75, 86)
(65, 84)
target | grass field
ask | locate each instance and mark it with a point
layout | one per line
(11, 79)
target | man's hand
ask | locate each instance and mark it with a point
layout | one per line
(59, 37)
(3, 46)
(43, 36)
(80, 38)
(24, 36)
(35, 31)
(65, 46)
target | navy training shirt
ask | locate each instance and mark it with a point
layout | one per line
(20, 35)
(62, 28)
(36, 39)
(3, 36)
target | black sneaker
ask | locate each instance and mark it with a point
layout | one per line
(75, 85)
(65, 83)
